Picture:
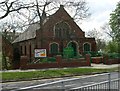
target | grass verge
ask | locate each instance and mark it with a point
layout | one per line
(17, 76)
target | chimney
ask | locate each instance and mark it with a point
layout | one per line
(61, 6)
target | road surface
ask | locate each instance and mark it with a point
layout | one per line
(35, 84)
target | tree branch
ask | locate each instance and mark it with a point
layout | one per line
(8, 8)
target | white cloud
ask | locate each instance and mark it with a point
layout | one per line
(100, 11)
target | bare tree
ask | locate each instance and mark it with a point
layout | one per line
(79, 8)
(98, 37)
(106, 29)
(94, 33)
(8, 6)
(33, 11)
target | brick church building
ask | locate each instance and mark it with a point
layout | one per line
(58, 32)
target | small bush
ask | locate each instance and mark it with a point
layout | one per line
(93, 54)
(51, 59)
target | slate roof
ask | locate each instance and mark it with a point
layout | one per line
(30, 33)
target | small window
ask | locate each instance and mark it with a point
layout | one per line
(21, 50)
(54, 48)
(25, 50)
(30, 51)
(86, 47)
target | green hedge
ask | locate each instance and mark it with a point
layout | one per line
(113, 55)
(93, 54)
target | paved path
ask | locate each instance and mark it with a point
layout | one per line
(103, 66)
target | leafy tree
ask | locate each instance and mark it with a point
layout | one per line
(112, 47)
(115, 22)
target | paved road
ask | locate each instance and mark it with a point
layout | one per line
(65, 85)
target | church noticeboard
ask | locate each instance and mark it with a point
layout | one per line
(40, 53)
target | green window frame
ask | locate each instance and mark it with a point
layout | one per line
(54, 48)
(86, 47)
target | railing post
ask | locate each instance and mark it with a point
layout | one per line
(109, 80)
(119, 79)
(63, 86)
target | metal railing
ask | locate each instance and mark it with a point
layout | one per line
(106, 85)
(68, 84)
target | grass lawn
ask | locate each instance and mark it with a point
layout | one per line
(9, 76)
(0, 60)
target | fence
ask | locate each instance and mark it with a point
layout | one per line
(78, 84)
(65, 60)
(112, 85)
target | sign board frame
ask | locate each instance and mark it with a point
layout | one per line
(40, 53)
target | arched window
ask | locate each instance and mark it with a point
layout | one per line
(54, 48)
(62, 30)
(86, 47)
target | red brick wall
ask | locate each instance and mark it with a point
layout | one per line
(112, 61)
(58, 64)
(97, 60)
(105, 60)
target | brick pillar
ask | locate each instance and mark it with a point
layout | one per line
(23, 62)
(105, 59)
(58, 58)
(87, 57)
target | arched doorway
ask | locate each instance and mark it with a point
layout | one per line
(74, 46)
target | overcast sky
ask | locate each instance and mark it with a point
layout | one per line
(100, 13)
(100, 10)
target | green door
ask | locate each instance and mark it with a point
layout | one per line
(73, 45)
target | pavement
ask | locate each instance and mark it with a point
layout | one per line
(103, 66)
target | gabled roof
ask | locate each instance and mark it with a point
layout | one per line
(30, 33)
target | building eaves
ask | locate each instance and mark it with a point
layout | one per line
(30, 33)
